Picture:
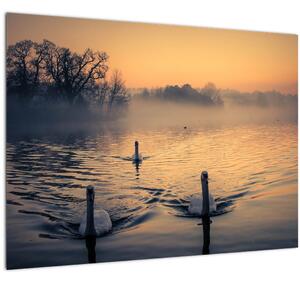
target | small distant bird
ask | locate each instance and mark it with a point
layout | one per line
(137, 157)
(94, 223)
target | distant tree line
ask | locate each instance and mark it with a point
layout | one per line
(207, 96)
(210, 95)
(259, 98)
(43, 72)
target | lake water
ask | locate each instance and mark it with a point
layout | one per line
(252, 175)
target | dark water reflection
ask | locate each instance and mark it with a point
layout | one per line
(253, 172)
(90, 243)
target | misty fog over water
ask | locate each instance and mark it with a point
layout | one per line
(152, 113)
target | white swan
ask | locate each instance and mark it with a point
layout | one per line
(205, 204)
(137, 157)
(94, 223)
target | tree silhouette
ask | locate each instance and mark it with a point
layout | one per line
(118, 92)
(31, 64)
(73, 73)
(21, 67)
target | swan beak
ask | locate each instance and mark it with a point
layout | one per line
(204, 175)
(90, 192)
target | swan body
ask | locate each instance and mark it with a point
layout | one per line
(94, 223)
(102, 223)
(196, 205)
(137, 157)
(205, 204)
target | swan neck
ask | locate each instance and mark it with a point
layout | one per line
(205, 197)
(136, 152)
(90, 225)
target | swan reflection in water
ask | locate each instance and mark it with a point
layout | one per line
(137, 169)
(206, 234)
(90, 243)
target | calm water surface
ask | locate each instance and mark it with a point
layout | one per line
(252, 175)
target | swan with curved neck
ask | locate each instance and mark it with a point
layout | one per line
(137, 157)
(94, 223)
(205, 204)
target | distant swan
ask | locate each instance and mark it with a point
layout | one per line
(94, 223)
(137, 157)
(205, 204)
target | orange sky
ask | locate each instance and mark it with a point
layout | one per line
(152, 55)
